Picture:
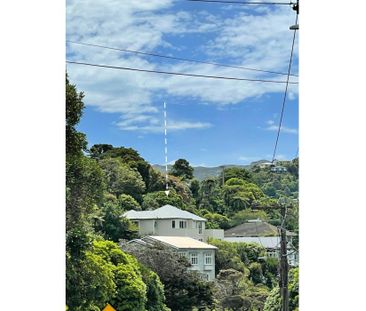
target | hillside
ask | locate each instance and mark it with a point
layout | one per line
(202, 172)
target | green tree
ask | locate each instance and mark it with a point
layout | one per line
(132, 158)
(256, 273)
(127, 203)
(154, 200)
(274, 300)
(216, 221)
(156, 181)
(115, 227)
(235, 172)
(155, 290)
(84, 179)
(211, 197)
(195, 188)
(122, 179)
(75, 141)
(240, 194)
(96, 151)
(130, 289)
(234, 291)
(85, 185)
(227, 256)
(183, 289)
(89, 282)
(181, 168)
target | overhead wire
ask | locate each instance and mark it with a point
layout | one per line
(243, 2)
(178, 58)
(180, 73)
(285, 94)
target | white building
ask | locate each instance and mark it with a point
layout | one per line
(279, 169)
(171, 221)
(200, 255)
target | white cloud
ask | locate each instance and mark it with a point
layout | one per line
(284, 129)
(261, 41)
(150, 124)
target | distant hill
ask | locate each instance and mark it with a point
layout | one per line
(201, 172)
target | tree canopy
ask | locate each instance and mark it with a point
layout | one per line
(181, 168)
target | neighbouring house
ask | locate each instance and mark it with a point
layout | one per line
(169, 220)
(264, 234)
(279, 169)
(200, 255)
(265, 164)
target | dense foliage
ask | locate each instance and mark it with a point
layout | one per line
(97, 270)
(105, 181)
(274, 300)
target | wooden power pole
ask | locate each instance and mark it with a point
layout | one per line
(284, 263)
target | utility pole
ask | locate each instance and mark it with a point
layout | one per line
(283, 260)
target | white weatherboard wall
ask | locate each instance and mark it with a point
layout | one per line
(158, 222)
(164, 227)
(201, 267)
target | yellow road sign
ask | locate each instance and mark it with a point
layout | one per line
(108, 307)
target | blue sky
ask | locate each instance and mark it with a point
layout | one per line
(210, 122)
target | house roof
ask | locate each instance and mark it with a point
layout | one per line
(267, 242)
(164, 212)
(180, 242)
(253, 229)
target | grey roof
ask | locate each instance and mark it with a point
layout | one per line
(164, 212)
(253, 229)
(272, 242)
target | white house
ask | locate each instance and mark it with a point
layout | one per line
(171, 221)
(279, 169)
(264, 234)
(200, 255)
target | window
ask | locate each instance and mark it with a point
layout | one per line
(193, 259)
(208, 258)
(182, 254)
(155, 224)
(200, 227)
(182, 224)
(173, 223)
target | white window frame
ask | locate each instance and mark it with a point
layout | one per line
(193, 257)
(173, 222)
(200, 227)
(182, 224)
(208, 259)
(182, 253)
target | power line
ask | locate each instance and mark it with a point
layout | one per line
(178, 58)
(180, 73)
(285, 94)
(243, 2)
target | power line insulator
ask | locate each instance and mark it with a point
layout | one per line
(295, 7)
